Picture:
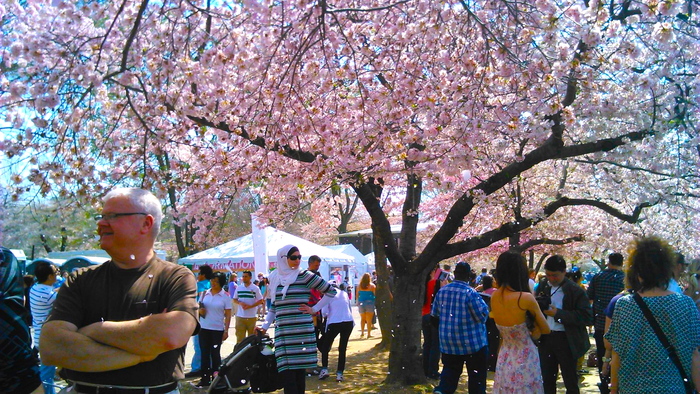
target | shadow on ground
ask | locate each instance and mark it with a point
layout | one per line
(364, 373)
(366, 368)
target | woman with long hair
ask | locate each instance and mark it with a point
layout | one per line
(366, 295)
(214, 319)
(518, 367)
(295, 337)
(640, 363)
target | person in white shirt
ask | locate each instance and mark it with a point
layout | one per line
(214, 318)
(247, 297)
(568, 313)
(41, 298)
(339, 320)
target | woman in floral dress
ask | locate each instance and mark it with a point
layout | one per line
(518, 368)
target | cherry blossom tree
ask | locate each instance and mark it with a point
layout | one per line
(520, 120)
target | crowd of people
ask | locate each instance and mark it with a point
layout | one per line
(254, 302)
(645, 318)
(123, 325)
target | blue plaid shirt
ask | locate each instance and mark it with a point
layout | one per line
(603, 287)
(462, 313)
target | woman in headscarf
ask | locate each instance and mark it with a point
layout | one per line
(295, 339)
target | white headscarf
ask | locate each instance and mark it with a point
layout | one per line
(284, 275)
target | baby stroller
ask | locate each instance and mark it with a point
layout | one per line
(251, 368)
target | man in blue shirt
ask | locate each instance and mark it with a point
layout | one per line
(203, 284)
(461, 314)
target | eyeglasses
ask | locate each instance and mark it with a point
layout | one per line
(295, 257)
(111, 216)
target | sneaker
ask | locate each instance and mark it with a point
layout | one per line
(339, 377)
(323, 374)
(203, 383)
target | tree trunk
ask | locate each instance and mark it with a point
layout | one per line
(384, 295)
(45, 244)
(406, 366)
(64, 239)
(539, 263)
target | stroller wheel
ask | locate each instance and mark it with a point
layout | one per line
(214, 383)
(220, 385)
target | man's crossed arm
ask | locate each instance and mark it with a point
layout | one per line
(106, 346)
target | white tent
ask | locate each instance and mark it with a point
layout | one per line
(92, 253)
(238, 255)
(360, 267)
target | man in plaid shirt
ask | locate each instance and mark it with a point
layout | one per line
(603, 287)
(461, 314)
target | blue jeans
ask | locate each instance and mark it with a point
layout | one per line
(477, 368)
(47, 372)
(431, 348)
(197, 357)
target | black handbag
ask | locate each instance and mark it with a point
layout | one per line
(664, 342)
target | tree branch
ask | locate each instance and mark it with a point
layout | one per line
(546, 241)
(507, 229)
(109, 30)
(548, 151)
(285, 150)
(369, 193)
(627, 167)
(130, 40)
(564, 201)
(366, 9)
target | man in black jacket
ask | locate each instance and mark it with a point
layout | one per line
(568, 312)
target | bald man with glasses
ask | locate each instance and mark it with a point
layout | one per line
(123, 326)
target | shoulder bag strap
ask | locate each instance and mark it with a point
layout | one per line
(664, 341)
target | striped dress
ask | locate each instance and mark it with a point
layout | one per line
(295, 340)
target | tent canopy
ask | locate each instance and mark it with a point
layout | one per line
(238, 255)
(360, 266)
(350, 250)
(74, 263)
(89, 253)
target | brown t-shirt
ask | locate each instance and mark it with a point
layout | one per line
(109, 293)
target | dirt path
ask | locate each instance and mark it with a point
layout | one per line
(366, 369)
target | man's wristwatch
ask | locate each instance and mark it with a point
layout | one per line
(606, 359)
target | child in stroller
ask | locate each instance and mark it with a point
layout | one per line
(251, 368)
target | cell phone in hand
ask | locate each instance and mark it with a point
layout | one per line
(443, 276)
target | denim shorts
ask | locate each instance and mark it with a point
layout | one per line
(366, 307)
